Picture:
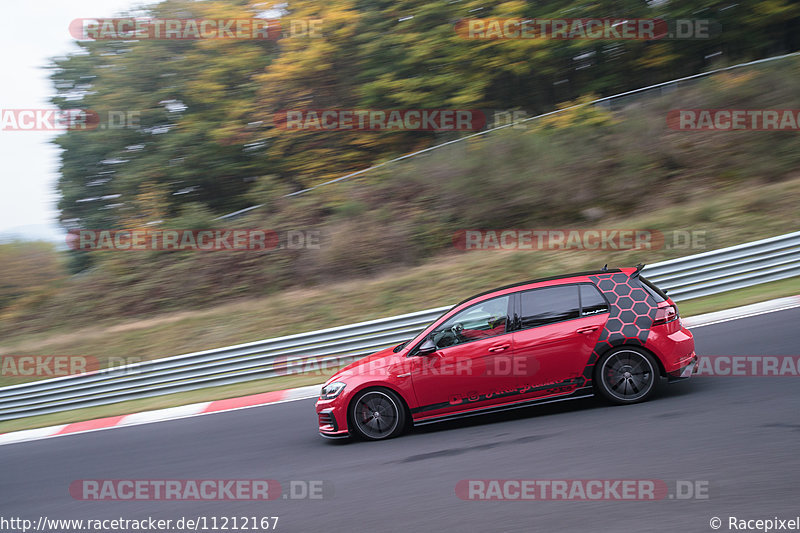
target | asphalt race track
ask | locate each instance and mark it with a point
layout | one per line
(738, 434)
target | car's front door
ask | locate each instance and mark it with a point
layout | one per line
(472, 365)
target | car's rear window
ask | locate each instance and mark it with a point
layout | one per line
(592, 302)
(655, 292)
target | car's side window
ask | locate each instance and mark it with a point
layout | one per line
(657, 294)
(548, 305)
(488, 318)
(592, 302)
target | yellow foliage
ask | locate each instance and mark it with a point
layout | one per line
(733, 79)
(578, 112)
(150, 205)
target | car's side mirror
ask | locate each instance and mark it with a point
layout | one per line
(427, 347)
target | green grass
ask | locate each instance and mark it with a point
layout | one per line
(749, 295)
(758, 293)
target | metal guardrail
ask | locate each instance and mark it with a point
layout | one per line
(685, 278)
(730, 268)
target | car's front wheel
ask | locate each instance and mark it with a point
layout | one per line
(627, 375)
(377, 414)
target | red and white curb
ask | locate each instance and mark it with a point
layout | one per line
(159, 415)
(302, 393)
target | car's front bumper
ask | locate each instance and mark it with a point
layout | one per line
(332, 421)
(340, 435)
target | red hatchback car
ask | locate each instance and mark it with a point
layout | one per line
(610, 332)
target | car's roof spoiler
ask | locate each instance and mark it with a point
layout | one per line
(634, 275)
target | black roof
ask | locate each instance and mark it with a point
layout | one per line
(519, 284)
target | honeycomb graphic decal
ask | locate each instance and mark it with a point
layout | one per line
(632, 315)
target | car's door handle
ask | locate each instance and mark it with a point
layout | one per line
(587, 329)
(499, 347)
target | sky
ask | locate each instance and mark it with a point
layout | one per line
(32, 32)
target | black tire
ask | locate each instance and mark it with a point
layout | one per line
(627, 375)
(377, 414)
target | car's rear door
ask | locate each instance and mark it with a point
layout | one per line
(555, 336)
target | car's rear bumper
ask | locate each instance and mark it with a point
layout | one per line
(674, 347)
(685, 371)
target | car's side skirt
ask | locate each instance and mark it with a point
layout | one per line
(584, 392)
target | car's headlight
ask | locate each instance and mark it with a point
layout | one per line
(332, 390)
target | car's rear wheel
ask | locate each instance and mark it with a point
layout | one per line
(627, 375)
(377, 414)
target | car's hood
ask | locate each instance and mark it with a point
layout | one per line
(374, 365)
